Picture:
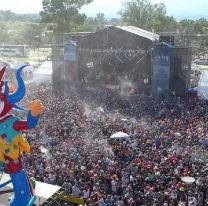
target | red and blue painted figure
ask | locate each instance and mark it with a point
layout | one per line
(12, 141)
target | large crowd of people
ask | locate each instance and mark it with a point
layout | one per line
(71, 147)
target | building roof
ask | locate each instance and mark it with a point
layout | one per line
(140, 32)
(13, 45)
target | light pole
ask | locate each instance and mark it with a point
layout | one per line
(188, 182)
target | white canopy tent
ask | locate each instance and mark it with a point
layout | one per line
(202, 88)
(43, 191)
(43, 74)
(100, 110)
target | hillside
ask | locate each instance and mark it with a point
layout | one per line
(11, 16)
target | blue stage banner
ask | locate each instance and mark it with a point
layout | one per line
(70, 51)
(162, 55)
(161, 70)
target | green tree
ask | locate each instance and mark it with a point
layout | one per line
(200, 26)
(100, 21)
(94, 23)
(64, 14)
(138, 13)
(4, 33)
(100, 18)
(31, 32)
(186, 26)
(115, 21)
(160, 22)
(144, 14)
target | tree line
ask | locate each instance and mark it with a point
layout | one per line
(64, 16)
(11, 16)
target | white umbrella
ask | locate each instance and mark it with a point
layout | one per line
(188, 180)
(100, 109)
(120, 135)
(178, 134)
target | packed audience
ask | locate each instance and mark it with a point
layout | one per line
(72, 147)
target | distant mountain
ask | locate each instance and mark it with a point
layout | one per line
(11, 16)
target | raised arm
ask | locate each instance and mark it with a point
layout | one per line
(35, 109)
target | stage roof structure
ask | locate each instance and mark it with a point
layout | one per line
(140, 32)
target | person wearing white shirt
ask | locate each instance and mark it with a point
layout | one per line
(114, 186)
(75, 190)
(86, 193)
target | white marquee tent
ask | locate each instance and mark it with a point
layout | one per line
(43, 74)
(202, 88)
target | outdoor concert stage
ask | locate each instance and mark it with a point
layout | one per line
(43, 191)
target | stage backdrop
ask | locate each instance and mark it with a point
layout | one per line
(161, 70)
(70, 63)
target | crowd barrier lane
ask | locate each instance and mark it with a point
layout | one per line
(71, 199)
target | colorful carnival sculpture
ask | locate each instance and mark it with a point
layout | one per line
(12, 142)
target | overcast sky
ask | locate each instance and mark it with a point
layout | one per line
(176, 8)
